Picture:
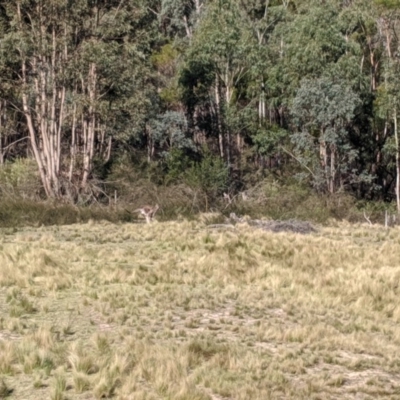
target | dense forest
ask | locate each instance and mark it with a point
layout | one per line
(97, 95)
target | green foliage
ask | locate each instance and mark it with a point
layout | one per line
(20, 179)
(165, 56)
(324, 105)
(227, 42)
(196, 77)
(177, 163)
(313, 43)
(323, 111)
(179, 16)
(291, 199)
(268, 139)
(15, 213)
(157, 80)
(92, 68)
(388, 99)
(390, 4)
(210, 174)
(165, 61)
(169, 131)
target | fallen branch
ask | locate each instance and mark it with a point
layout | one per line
(217, 226)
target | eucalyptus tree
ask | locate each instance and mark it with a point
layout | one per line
(170, 132)
(322, 112)
(263, 17)
(306, 45)
(217, 65)
(178, 18)
(11, 140)
(3, 109)
(317, 50)
(388, 98)
(75, 68)
(359, 23)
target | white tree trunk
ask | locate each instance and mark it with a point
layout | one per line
(218, 116)
(396, 138)
(90, 125)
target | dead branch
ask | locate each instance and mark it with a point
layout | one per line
(367, 218)
(218, 226)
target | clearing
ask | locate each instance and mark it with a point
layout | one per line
(180, 311)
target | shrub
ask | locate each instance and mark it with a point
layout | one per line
(21, 212)
(20, 179)
(209, 175)
(177, 163)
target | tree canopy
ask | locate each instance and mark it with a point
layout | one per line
(313, 83)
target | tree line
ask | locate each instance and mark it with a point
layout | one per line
(309, 87)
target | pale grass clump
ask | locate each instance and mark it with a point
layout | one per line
(14, 325)
(40, 351)
(38, 381)
(19, 303)
(59, 386)
(32, 358)
(114, 369)
(107, 383)
(27, 353)
(23, 267)
(101, 343)
(8, 358)
(9, 274)
(166, 370)
(230, 371)
(43, 337)
(81, 359)
(82, 382)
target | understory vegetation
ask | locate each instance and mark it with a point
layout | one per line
(268, 195)
(185, 310)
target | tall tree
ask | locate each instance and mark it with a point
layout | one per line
(388, 99)
(179, 17)
(323, 110)
(76, 66)
(222, 53)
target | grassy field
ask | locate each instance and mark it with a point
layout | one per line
(180, 311)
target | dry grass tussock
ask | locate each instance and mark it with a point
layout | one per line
(177, 311)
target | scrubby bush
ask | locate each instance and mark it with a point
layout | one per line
(281, 201)
(14, 213)
(177, 163)
(182, 187)
(20, 179)
(209, 175)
